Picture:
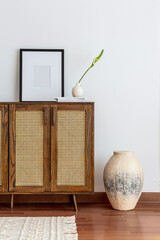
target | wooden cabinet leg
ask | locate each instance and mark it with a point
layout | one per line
(75, 202)
(12, 198)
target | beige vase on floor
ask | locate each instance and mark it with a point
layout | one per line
(123, 180)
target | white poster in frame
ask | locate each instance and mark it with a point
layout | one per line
(41, 74)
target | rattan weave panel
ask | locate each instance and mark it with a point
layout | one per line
(29, 148)
(71, 148)
(0, 148)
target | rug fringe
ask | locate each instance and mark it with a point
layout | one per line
(70, 228)
(71, 236)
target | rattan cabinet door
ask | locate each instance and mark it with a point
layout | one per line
(72, 148)
(29, 168)
(3, 148)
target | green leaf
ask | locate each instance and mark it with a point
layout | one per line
(97, 58)
(94, 61)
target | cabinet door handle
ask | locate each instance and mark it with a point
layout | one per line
(53, 122)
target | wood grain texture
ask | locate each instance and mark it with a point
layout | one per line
(47, 151)
(54, 197)
(75, 203)
(12, 200)
(92, 148)
(99, 221)
(30, 107)
(89, 150)
(12, 150)
(47, 103)
(4, 148)
(53, 149)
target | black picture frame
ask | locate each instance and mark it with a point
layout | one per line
(61, 69)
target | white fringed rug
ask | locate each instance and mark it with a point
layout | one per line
(38, 228)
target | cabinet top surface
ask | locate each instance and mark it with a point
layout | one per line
(47, 103)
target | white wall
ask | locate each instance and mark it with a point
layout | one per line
(124, 84)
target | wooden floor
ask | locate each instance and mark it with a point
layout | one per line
(99, 221)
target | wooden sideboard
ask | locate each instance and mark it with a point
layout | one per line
(46, 147)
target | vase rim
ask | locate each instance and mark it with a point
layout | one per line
(117, 152)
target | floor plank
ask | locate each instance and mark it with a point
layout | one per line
(99, 221)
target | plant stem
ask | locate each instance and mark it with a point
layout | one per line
(85, 73)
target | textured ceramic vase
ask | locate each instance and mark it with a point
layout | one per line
(77, 91)
(123, 180)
